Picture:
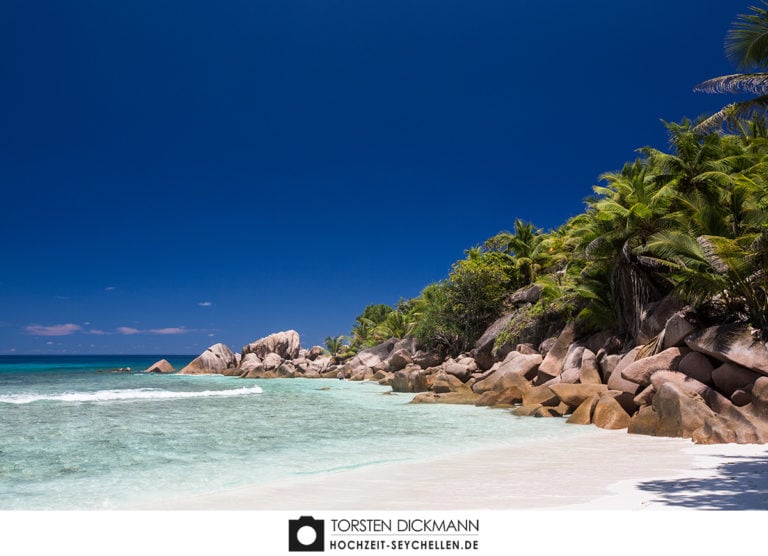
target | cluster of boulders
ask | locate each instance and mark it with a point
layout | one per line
(276, 356)
(708, 384)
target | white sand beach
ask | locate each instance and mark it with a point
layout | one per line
(607, 470)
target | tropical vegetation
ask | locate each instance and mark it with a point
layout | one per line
(690, 222)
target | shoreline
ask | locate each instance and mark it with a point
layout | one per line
(607, 470)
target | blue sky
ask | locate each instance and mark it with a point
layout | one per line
(180, 173)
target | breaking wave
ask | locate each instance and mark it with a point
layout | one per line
(138, 394)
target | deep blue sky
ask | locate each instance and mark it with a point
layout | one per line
(180, 173)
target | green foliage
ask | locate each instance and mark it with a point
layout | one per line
(691, 222)
(338, 348)
(746, 45)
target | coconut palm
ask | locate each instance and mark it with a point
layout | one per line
(746, 45)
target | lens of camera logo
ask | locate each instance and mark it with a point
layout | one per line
(306, 535)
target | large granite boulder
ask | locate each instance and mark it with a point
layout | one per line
(214, 360)
(444, 383)
(483, 349)
(250, 362)
(410, 379)
(640, 371)
(514, 371)
(693, 410)
(731, 343)
(583, 414)
(697, 366)
(552, 365)
(627, 388)
(371, 357)
(589, 373)
(399, 359)
(676, 330)
(573, 395)
(609, 414)
(315, 352)
(162, 366)
(465, 396)
(728, 378)
(285, 344)
(427, 359)
(542, 395)
(655, 317)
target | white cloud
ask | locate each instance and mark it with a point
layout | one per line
(127, 330)
(205, 304)
(54, 330)
(167, 331)
(110, 289)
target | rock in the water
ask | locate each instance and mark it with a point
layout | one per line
(162, 366)
(574, 395)
(640, 370)
(285, 344)
(214, 360)
(731, 343)
(464, 396)
(272, 361)
(250, 362)
(583, 413)
(410, 379)
(444, 383)
(609, 414)
(526, 410)
(507, 397)
(540, 395)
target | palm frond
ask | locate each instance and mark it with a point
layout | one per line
(732, 112)
(756, 83)
(746, 43)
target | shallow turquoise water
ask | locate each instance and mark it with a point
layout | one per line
(76, 438)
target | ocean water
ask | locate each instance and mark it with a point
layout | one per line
(77, 436)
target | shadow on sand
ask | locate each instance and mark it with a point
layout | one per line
(740, 484)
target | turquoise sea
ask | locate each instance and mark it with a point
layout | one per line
(77, 438)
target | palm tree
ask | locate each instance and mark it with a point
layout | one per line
(746, 45)
(334, 346)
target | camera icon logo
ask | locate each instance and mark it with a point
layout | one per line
(306, 534)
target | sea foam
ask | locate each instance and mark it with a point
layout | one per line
(136, 394)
